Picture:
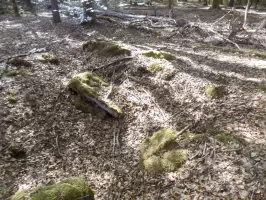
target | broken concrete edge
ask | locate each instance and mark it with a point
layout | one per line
(88, 85)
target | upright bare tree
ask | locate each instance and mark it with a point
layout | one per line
(15, 7)
(55, 11)
(216, 4)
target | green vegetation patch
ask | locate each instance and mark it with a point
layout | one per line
(105, 48)
(263, 88)
(12, 99)
(158, 152)
(46, 58)
(155, 67)
(231, 50)
(18, 62)
(87, 83)
(159, 55)
(22, 72)
(212, 91)
(89, 86)
(229, 138)
(68, 189)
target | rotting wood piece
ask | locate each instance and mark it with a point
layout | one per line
(89, 86)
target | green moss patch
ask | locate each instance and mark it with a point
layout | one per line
(158, 153)
(18, 62)
(12, 99)
(46, 58)
(165, 72)
(263, 88)
(68, 189)
(231, 50)
(105, 48)
(90, 86)
(212, 91)
(22, 72)
(159, 55)
(229, 138)
(155, 67)
(87, 107)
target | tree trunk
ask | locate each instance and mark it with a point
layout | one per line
(246, 14)
(88, 9)
(15, 8)
(170, 7)
(205, 3)
(215, 4)
(231, 3)
(29, 5)
(55, 11)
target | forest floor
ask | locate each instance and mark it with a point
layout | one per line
(44, 138)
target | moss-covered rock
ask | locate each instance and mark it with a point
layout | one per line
(90, 86)
(159, 153)
(212, 91)
(18, 62)
(105, 48)
(68, 189)
(159, 55)
(46, 58)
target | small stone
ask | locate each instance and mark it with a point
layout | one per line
(253, 154)
(243, 194)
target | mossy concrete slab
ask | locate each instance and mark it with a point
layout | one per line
(68, 189)
(90, 87)
(105, 48)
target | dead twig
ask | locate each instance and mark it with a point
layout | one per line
(57, 144)
(182, 131)
(155, 103)
(223, 37)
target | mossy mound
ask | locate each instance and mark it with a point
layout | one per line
(68, 189)
(213, 92)
(18, 62)
(105, 48)
(158, 152)
(46, 58)
(159, 55)
(89, 86)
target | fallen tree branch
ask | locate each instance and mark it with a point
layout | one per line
(112, 63)
(182, 131)
(223, 37)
